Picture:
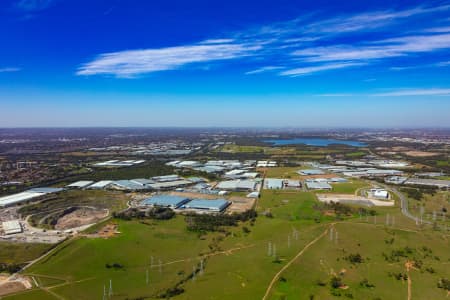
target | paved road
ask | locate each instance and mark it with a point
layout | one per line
(404, 205)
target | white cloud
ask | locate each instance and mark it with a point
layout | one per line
(217, 41)
(33, 5)
(438, 29)
(443, 64)
(386, 48)
(293, 44)
(4, 70)
(135, 62)
(367, 21)
(264, 69)
(416, 92)
(314, 69)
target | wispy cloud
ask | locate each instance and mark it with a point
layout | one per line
(135, 62)
(443, 64)
(7, 69)
(33, 5)
(386, 48)
(403, 92)
(305, 45)
(368, 21)
(438, 29)
(264, 69)
(416, 92)
(315, 69)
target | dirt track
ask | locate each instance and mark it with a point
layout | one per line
(275, 278)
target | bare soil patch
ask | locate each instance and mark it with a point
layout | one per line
(421, 153)
(106, 232)
(240, 205)
(80, 217)
(14, 285)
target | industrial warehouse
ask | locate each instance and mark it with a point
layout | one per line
(184, 204)
(26, 196)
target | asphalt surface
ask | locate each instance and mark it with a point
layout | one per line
(404, 205)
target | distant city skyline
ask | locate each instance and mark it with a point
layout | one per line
(68, 63)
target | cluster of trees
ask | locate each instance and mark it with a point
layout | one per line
(396, 254)
(9, 268)
(178, 289)
(194, 173)
(399, 275)
(365, 283)
(346, 210)
(444, 283)
(206, 222)
(412, 193)
(114, 266)
(417, 192)
(354, 258)
(336, 282)
(415, 255)
(157, 213)
(171, 292)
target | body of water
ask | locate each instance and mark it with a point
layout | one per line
(315, 142)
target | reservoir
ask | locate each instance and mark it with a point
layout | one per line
(315, 142)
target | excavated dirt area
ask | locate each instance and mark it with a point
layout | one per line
(421, 153)
(80, 217)
(9, 286)
(107, 231)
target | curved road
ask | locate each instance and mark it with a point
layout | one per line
(404, 205)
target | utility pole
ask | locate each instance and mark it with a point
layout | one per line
(201, 266)
(110, 293)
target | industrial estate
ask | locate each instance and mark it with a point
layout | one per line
(222, 216)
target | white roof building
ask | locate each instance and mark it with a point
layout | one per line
(237, 185)
(101, 184)
(80, 184)
(274, 183)
(313, 185)
(12, 227)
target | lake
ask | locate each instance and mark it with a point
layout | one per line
(315, 142)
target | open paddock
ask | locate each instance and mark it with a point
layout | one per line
(239, 205)
(352, 199)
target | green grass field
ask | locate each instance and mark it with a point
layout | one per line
(325, 259)
(283, 172)
(437, 203)
(18, 253)
(237, 262)
(349, 187)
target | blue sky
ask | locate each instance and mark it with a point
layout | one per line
(224, 63)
